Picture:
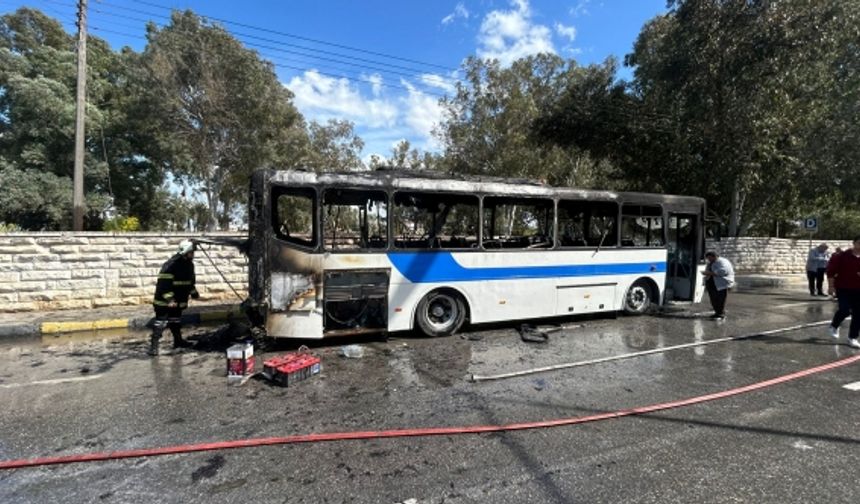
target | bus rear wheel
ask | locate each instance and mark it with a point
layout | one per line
(639, 298)
(441, 313)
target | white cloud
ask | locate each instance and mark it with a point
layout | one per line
(580, 9)
(439, 81)
(423, 113)
(460, 11)
(568, 32)
(508, 35)
(375, 84)
(382, 116)
(319, 96)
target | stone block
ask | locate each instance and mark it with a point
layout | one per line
(9, 276)
(77, 284)
(130, 282)
(10, 297)
(100, 302)
(99, 249)
(24, 287)
(119, 256)
(64, 249)
(45, 296)
(20, 240)
(88, 294)
(139, 291)
(71, 304)
(89, 273)
(84, 258)
(46, 275)
(36, 258)
(13, 267)
(21, 249)
(62, 240)
(21, 307)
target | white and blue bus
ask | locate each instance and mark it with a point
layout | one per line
(349, 253)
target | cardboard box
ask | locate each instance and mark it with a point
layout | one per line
(240, 361)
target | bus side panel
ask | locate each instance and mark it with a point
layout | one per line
(497, 287)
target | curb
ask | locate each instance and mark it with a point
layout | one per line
(137, 322)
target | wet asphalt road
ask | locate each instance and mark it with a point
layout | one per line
(794, 442)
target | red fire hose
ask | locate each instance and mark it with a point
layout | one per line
(430, 431)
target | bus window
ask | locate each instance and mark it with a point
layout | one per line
(355, 220)
(517, 223)
(641, 226)
(433, 220)
(294, 215)
(587, 223)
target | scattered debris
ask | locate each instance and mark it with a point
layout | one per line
(352, 351)
(533, 334)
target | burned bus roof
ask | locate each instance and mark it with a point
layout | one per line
(426, 180)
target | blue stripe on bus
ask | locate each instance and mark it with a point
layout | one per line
(429, 267)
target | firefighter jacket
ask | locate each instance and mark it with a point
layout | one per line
(175, 282)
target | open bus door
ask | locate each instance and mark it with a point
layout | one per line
(684, 280)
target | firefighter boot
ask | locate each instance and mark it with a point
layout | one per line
(153, 344)
(178, 341)
(157, 329)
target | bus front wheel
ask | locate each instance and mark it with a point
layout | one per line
(639, 298)
(441, 313)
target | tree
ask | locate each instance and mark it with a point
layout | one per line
(745, 93)
(37, 82)
(490, 124)
(405, 157)
(220, 111)
(333, 146)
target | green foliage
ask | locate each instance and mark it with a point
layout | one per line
(218, 111)
(751, 103)
(122, 224)
(333, 146)
(490, 124)
(9, 228)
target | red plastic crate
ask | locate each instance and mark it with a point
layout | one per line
(288, 369)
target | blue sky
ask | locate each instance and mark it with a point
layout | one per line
(384, 64)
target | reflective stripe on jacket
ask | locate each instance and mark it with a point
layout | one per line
(175, 282)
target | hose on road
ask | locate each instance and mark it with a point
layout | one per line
(568, 365)
(419, 432)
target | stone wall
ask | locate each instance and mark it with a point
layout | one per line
(775, 256)
(49, 271)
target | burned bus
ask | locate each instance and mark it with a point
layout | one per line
(333, 254)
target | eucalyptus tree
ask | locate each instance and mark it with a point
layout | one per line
(490, 124)
(219, 110)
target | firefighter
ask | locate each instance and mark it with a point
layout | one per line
(175, 284)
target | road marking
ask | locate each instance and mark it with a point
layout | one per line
(93, 325)
(51, 382)
(854, 387)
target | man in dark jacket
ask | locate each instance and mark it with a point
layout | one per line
(843, 276)
(175, 285)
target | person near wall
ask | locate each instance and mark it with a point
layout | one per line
(836, 252)
(816, 266)
(719, 279)
(175, 285)
(843, 280)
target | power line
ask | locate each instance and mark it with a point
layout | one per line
(99, 29)
(306, 39)
(312, 57)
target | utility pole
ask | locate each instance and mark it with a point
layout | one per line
(80, 116)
